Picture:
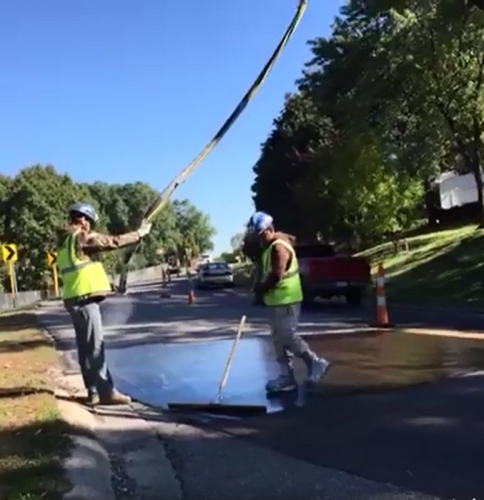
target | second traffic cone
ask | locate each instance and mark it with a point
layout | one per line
(381, 301)
(191, 297)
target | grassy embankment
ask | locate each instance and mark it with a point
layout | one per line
(445, 267)
(33, 437)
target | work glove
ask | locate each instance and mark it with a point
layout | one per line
(144, 229)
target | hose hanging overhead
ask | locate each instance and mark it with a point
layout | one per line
(162, 199)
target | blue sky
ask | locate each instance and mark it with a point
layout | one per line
(128, 90)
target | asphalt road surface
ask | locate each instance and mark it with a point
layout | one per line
(395, 408)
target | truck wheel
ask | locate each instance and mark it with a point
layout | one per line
(354, 298)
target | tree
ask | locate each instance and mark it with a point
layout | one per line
(417, 85)
(476, 3)
(195, 231)
(391, 99)
(281, 171)
(123, 207)
(236, 241)
(447, 46)
(37, 205)
(112, 205)
(5, 188)
(318, 177)
(229, 257)
(373, 179)
(33, 215)
(136, 197)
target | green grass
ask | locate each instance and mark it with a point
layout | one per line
(445, 267)
(33, 437)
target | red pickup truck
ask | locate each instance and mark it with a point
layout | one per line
(325, 274)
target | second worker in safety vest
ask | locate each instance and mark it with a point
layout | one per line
(85, 286)
(281, 290)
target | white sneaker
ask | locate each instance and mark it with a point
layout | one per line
(318, 370)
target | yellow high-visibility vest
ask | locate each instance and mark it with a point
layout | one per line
(288, 290)
(81, 277)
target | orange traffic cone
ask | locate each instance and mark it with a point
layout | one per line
(381, 301)
(191, 297)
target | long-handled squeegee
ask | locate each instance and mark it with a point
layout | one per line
(218, 405)
(162, 199)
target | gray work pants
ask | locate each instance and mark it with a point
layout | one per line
(284, 321)
(88, 326)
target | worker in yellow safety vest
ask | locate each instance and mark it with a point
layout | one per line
(85, 286)
(280, 287)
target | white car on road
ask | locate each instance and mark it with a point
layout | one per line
(214, 274)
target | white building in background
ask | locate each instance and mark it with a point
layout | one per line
(456, 190)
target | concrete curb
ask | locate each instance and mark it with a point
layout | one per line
(115, 449)
(449, 333)
(436, 308)
(88, 466)
(145, 457)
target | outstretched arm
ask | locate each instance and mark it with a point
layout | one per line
(97, 242)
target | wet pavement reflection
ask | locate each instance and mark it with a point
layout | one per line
(190, 372)
(386, 360)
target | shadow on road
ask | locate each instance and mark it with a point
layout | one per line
(427, 438)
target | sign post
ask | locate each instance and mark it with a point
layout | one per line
(11, 274)
(52, 263)
(9, 257)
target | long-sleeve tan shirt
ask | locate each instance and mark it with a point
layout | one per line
(92, 242)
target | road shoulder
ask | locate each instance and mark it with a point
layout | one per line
(215, 465)
(34, 439)
(115, 455)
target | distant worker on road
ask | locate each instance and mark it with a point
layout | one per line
(280, 287)
(85, 286)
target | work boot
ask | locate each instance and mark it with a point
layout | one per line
(317, 370)
(92, 399)
(283, 383)
(115, 398)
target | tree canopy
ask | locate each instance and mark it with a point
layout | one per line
(33, 208)
(390, 100)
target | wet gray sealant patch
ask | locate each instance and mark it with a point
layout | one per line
(190, 372)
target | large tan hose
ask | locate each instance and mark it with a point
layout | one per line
(162, 199)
